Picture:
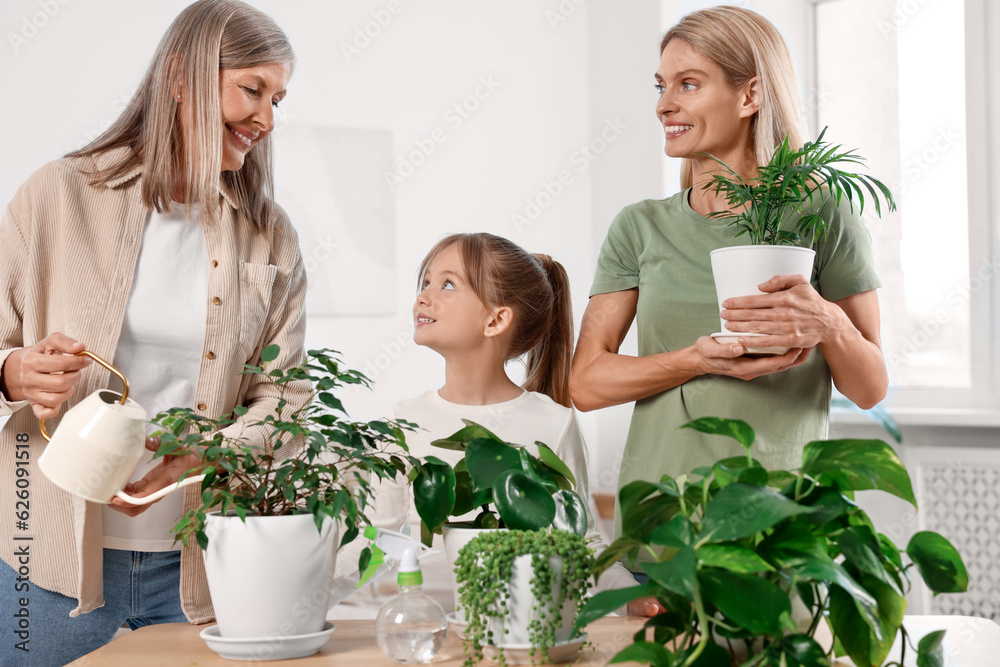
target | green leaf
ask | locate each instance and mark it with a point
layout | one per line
(523, 503)
(930, 650)
(615, 552)
(466, 497)
(734, 428)
(741, 510)
(606, 602)
(732, 557)
(487, 458)
(642, 511)
(712, 655)
(269, 353)
(858, 465)
(464, 436)
(852, 627)
(549, 458)
(571, 513)
(796, 651)
(939, 563)
(534, 468)
(645, 652)
(750, 601)
(331, 401)
(861, 551)
(434, 492)
(679, 532)
(677, 574)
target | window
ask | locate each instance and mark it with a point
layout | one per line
(901, 80)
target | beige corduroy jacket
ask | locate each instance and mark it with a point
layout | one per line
(68, 252)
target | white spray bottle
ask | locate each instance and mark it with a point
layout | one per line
(411, 627)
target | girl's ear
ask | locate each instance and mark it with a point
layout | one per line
(750, 102)
(499, 322)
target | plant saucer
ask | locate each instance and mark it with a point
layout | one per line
(266, 648)
(456, 623)
(728, 338)
(520, 654)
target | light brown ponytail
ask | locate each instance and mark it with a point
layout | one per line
(548, 363)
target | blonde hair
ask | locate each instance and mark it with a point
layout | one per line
(744, 45)
(536, 288)
(207, 37)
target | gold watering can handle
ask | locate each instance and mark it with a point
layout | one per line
(121, 376)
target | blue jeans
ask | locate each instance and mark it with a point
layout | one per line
(140, 588)
(640, 577)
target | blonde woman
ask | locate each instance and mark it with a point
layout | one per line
(158, 246)
(726, 87)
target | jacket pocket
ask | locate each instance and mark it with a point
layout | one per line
(256, 283)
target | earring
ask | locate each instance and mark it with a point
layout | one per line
(487, 329)
(178, 98)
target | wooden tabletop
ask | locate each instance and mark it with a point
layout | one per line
(352, 644)
(970, 642)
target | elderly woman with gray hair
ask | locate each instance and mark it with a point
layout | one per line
(160, 246)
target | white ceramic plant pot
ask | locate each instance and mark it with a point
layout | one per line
(512, 629)
(454, 539)
(271, 576)
(738, 270)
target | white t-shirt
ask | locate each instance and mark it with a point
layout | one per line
(159, 351)
(522, 421)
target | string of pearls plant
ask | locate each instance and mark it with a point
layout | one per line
(484, 570)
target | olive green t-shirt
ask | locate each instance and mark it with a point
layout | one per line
(662, 247)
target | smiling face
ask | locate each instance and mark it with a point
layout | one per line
(447, 314)
(248, 98)
(699, 111)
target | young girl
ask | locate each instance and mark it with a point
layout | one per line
(482, 302)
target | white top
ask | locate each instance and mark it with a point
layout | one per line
(159, 351)
(522, 421)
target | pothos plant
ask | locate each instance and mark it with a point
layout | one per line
(794, 182)
(485, 569)
(509, 486)
(315, 461)
(728, 546)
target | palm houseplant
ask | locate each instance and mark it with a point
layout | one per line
(754, 565)
(521, 590)
(785, 210)
(495, 485)
(276, 515)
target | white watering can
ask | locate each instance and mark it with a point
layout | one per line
(98, 444)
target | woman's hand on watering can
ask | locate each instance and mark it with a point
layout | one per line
(166, 472)
(45, 374)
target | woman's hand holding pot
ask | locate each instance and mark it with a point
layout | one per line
(44, 374)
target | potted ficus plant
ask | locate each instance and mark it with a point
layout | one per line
(738, 548)
(782, 212)
(495, 485)
(521, 591)
(271, 519)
